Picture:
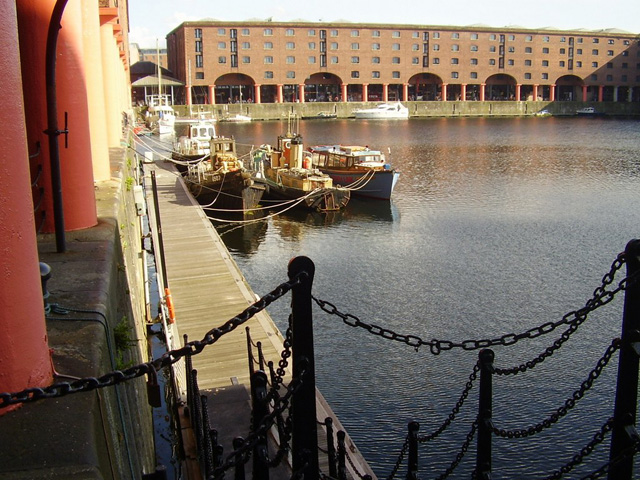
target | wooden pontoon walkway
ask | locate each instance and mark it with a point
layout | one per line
(208, 289)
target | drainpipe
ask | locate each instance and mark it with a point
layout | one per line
(52, 124)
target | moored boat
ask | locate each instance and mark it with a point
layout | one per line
(163, 119)
(589, 112)
(286, 177)
(387, 111)
(220, 179)
(196, 144)
(324, 115)
(363, 171)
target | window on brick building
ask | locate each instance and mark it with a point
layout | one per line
(268, 74)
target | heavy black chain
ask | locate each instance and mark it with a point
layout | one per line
(456, 408)
(267, 422)
(401, 455)
(167, 359)
(461, 453)
(568, 404)
(604, 470)
(601, 296)
(584, 452)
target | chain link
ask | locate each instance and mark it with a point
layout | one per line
(601, 296)
(569, 403)
(461, 453)
(456, 409)
(167, 359)
(584, 452)
(401, 455)
(267, 422)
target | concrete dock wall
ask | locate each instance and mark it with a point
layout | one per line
(278, 111)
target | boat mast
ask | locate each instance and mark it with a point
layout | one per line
(159, 74)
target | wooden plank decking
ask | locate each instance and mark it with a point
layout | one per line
(208, 289)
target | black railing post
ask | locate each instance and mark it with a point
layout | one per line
(331, 448)
(622, 437)
(342, 456)
(483, 460)
(412, 462)
(238, 474)
(304, 442)
(207, 445)
(260, 409)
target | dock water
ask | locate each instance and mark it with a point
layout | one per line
(208, 289)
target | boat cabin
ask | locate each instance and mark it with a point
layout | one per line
(346, 157)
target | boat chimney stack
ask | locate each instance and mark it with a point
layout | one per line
(295, 154)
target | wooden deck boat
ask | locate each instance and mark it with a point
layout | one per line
(365, 172)
(286, 177)
(221, 180)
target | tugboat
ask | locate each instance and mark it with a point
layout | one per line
(287, 177)
(221, 180)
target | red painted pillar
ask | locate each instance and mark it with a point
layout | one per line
(24, 351)
(187, 91)
(212, 94)
(584, 93)
(385, 92)
(535, 92)
(552, 93)
(279, 97)
(482, 90)
(365, 92)
(78, 194)
(600, 92)
(444, 92)
(463, 92)
(518, 89)
(301, 92)
(256, 93)
(405, 92)
(344, 92)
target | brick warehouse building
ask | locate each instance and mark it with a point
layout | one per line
(265, 61)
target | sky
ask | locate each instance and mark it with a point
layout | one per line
(151, 20)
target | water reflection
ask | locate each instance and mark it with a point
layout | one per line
(495, 226)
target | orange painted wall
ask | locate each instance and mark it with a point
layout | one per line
(24, 351)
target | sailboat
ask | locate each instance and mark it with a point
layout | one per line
(159, 108)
